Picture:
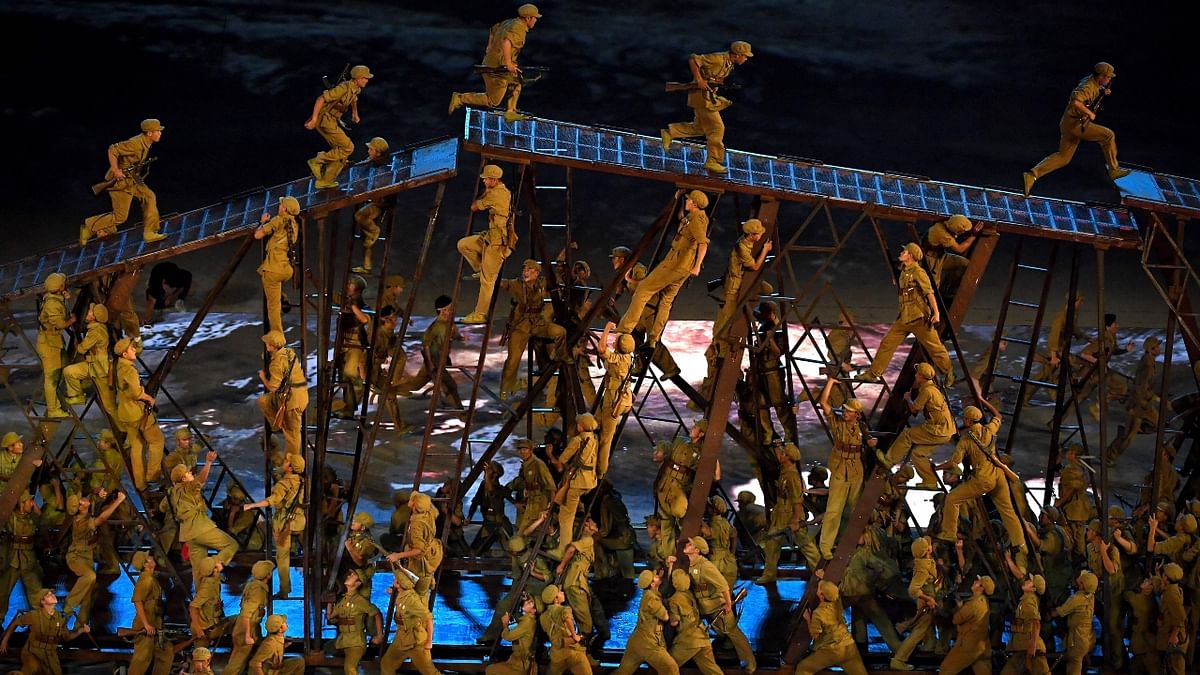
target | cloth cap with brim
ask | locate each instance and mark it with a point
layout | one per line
(753, 226)
(698, 198)
(550, 594)
(528, 10)
(99, 312)
(1104, 69)
(421, 501)
(122, 346)
(262, 569)
(378, 144)
(275, 623)
(915, 251)
(741, 47)
(138, 561)
(645, 579)
(360, 71)
(829, 590)
(178, 472)
(700, 544)
(926, 371)
(151, 124)
(680, 580)
(1088, 582)
(1173, 571)
(201, 654)
(290, 205)
(958, 224)
(587, 422)
(363, 519)
(491, 171)
(515, 544)
(989, 584)
(620, 252)
(1039, 584)
(10, 438)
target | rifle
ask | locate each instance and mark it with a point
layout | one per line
(341, 78)
(136, 172)
(283, 393)
(526, 75)
(170, 634)
(672, 87)
(1095, 107)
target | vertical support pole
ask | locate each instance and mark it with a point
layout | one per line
(1065, 390)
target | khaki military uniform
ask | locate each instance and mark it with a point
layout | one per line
(412, 636)
(741, 258)
(668, 277)
(578, 590)
(579, 458)
(207, 602)
(536, 486)
(139, 425)
(422, 534)
(675, 487)
(788, 507)
(151, 650)
(338, 100)
(1143, 620)
(433, 341)
(618, 400)
(839, 342)
(914, 318)
(971, 648)
(707, 108)
(498, 85)
(285, 501)
(978, 444)
(276, 268)
(196, 528)
(81, 560)
(691, 641)
(1115, 385)
(566, 654)
(945, 267)
(533, 586)
(528, 320)
(1055, 346)
(350, 615)
(1142, 405)
(868, 575)
(297, 382)
(1079, 508)
(709, 589)
(1113, 621)
(925, 580)
(253, 609)
(647, 644)
(95, 367)
(352, 352)
(721, 533)
(366, 219)
(1027, 613)
(772, 385)
(522, 637)
(936, 430)
(269, 658)
(1056, 562)
(123, 192)
(21, 562)
(1072, 132)
(486, 252)
(845, 479)
(52, 321)
(832, 644)
(1081, 637)
(46, 633)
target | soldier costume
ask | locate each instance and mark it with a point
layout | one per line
(786, 514)
(681, 262)
(21, 561)
(281, 232)
(124, 159)
(944, 252)
(1143, 620)
(618, 396)
(269, 655)
(422, 546)
(646, 643)
(286, 372)
(936, 430)
(196, 527)
(918, 315)
(53, 319)
(486, 252)
(360, 545)
(490, 499)
(722, 540)
(326, 118)
(832, 644)
(1172, 639)
(247, 628)
(574, 570)
(924, 588)
(518, 551)
(354, 330)
(709, 71)
(350, 615)
(438, 336)
(367, 217)
(96, 364)
(150, 648)
(578, 460)
(529, 320)
(533, 487)
(566, 654)
(287, 516)
(845, 464)
(691, 641)
(1142, 403)
(47, 630)
(1102, 346)
(1078, 123)
(82, 552)
(137, 419)
(674, 487)
(206, 609)
(715, 601)
(1079, 610)
(767, 365)
(414, 630)
(1073, 501)
(741, 259)
(1049, 364)
(971, 642)
(522, 636)
(1026, 650)
(505, 41)
(977, 443)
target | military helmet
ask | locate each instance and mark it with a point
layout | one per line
(550, 594)
(753, 226)
(1088, 582)
(925, 370)
(55, 282)
(360, 71)
(378, 144)
(201, 654)
(492, 171)
(1173, 571)
(99, 312)
(528, 10)
(958, 223)
(645, 579)
(10, 438)
(700, 543)
(151, 124)
(680, 580)
(829, 591)
(621, 252)
(290, 205)
(531, 264)
(587, 422)
(972, 414)
(364, 519)
(263, 569)
(138, 561)
(698, 198)
(122, 346)
(741, 48)
(625, 343)
(178, 472)
(1104, 69)
(275, 623)
(915, 251)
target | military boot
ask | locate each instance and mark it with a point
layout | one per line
(329, 174)
(771, 551)
(316, 166)
(714, 166)
(365, 267)
(1027, 181)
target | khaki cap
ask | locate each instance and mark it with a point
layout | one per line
(515, 544)
(527, 10)
(1088, 582)
(921, 546)
(700, 543)
(360, 71)
(645, 579)
(492, 171)
(621, 252)
(297, 462)
(1150, 343)
(10, 438)
(401, 579)
(183, 432)
(550, 594)
(1173, 571)
(698, 198)
(958, 223)
(421, 502)
(791, 451)
(275, 623)
(122, 346)
(915, 251)
(587, 422)
(290, 205)
(393, 280)
(531, 264)
(138, 561)
(525, 443)
(178, 472)
(73, 504)
(151, 124)
(358, 282)
(1039, 584)
(364, 519)
(1104, 69)
(853, 405)
(99, 312)
(740, 47)
(55, 282)
(274, 339)
(201, 654)
(680, 580)
(989, 584)
(262, 569)
(378, 144)
(972, 414)
(753, 226)
(625, 343)
(829, 590)
(925, 370)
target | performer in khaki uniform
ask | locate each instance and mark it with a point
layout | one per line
(647, 644)
(1142, 403)
(149, 648)
(1073, 500)
(206, 609)
(53, 319)
(1048, 365)
(683, 261)
(350, 615)
(287, 516)
(1103, 346)
(21, 562)
(286, 372)
(276, 266)
(924, 588)
(96, 364)
(1026, 650)
(768, 368)
(832, 644)
(200, 663)
(441, 334)
(1079, 611)
(1143, 621)
(269, 656)
(366, 218)
(81, 554)
(122, 158)
(326, 119)
(1078, 123)
(691, 641)
(715, 600)
(247, 628)
(574, 569)
(989, 476)
(721, 538)
(505, 41)
(566, 654)
(184, 452)
(679, 459)
(971, 642)
(918, 315)
(618, 397)
(534, 485)
(136, 418)
(354, 335)
(47, 630)
(786, 514)
(486, 252)
(522, 636)
(578, 463)
(845, 464)
(708, 72)
(422, 546)
(1172, 640)
(414, 630)
(741, 259)
(944, 252)
(529, 319)
(196, 528)
(937, 429)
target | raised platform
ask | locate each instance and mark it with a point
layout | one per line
(1161, 193)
